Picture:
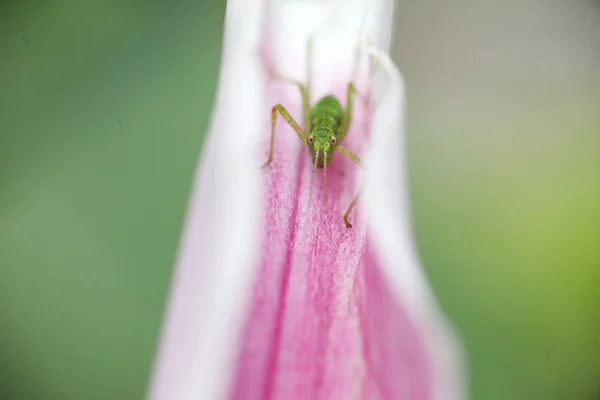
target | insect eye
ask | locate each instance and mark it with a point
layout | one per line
(310, 139)
(333, 140)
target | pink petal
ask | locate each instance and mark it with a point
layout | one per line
(325, 324)
(391, 236)
(333, 313)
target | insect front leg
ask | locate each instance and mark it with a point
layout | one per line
(304, 92)
(290, 120)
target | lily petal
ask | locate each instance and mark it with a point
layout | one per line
(391, 240)
(333, 313)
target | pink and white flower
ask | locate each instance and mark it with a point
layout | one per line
(273, 297)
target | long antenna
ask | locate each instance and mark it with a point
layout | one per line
(312, 177)
(324, 197)
(324, 171)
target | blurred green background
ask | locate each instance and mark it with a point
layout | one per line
(103, 108)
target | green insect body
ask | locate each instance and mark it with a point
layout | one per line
(326, 118)
(325, 127)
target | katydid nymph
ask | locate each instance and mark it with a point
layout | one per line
(325, 126)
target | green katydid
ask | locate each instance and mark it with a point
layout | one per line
(325, 126)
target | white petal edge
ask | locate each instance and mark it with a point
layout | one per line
(387, 204)
(212, 278)
(336, 26)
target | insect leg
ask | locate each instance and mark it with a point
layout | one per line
(352, 204)
(347, 117)
(348, 153)
(283, 112)
(304, 91)
(354, 158)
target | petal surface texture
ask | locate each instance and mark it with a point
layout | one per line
(273, 297)
(327, 322)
